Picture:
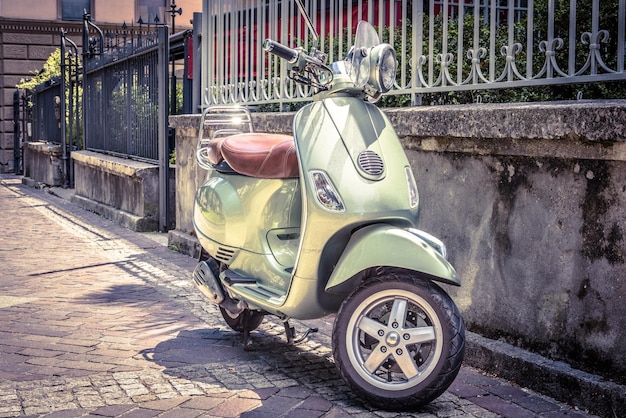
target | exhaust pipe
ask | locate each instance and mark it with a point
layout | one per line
(210, 287)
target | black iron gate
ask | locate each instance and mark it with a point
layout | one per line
(22, 126)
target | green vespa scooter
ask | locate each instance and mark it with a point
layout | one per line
(325, 222)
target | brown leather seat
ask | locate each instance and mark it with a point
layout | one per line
(269, 156)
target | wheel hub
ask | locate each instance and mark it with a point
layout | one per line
(392, 339)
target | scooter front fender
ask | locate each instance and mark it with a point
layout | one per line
(390, 246)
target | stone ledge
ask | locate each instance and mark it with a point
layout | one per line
(586, 120)
(125, 219)
(184, 243)
(43, 163)
(123, 190)
(111, 164)
(44, 147)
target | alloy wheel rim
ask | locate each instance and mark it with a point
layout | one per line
(394, 339)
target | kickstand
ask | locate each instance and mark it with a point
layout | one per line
(247, 343)
(291, 334)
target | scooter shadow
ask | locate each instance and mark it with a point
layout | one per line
(215, 357)
(220, 344)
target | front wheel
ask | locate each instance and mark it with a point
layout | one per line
(398, 341)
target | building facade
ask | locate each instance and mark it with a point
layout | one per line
(30, 32)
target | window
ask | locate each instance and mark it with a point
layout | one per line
(151, 11)
(74, 9)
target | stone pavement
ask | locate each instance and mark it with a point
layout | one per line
(100, 321)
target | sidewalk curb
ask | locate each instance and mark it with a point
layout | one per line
(552, 378)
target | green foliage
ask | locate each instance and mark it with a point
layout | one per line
(179, 99)
(51, 69)
(275, 107)
(130, 106)
(608, 20)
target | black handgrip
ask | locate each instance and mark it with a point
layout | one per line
(280, 50)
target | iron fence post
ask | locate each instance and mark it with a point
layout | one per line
(196, 95)
(64, 147)
(163, 61)
(16, 133)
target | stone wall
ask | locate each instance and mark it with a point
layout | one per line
(530, 200)
(43, 163)
(24, 48)
(120, 189)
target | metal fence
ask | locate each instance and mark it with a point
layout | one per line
(125, 97)
(46, 115)
(122, 93)
(22, 127)
(441, 45)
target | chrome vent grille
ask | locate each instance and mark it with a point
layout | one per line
(225, 255)
(371, 163)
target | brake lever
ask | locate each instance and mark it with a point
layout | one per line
(308, 81)
(310, 73)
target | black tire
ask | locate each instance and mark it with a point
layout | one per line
(410, 363)
(246, 321)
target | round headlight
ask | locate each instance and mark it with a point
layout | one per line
(385, 73)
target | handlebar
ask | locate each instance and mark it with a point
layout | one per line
(280, 50)
(303, 68)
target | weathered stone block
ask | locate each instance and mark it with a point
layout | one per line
(27, 38)
(123, 190)
(15, 51)
(6, 140)
(39, 52)
(10, 81)
(20, 67)
(43, 163)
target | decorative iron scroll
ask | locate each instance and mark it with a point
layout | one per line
(242, 74)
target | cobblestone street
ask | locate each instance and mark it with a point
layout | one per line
(97, 320)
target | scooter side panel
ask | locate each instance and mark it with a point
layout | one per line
(385, 245)
(255, 220)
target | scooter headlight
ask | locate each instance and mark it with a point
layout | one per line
(325, 192)
(384, 74)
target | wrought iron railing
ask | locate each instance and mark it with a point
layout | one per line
(125, 97)
(121, 90)
(441, 45)
(46, 122)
